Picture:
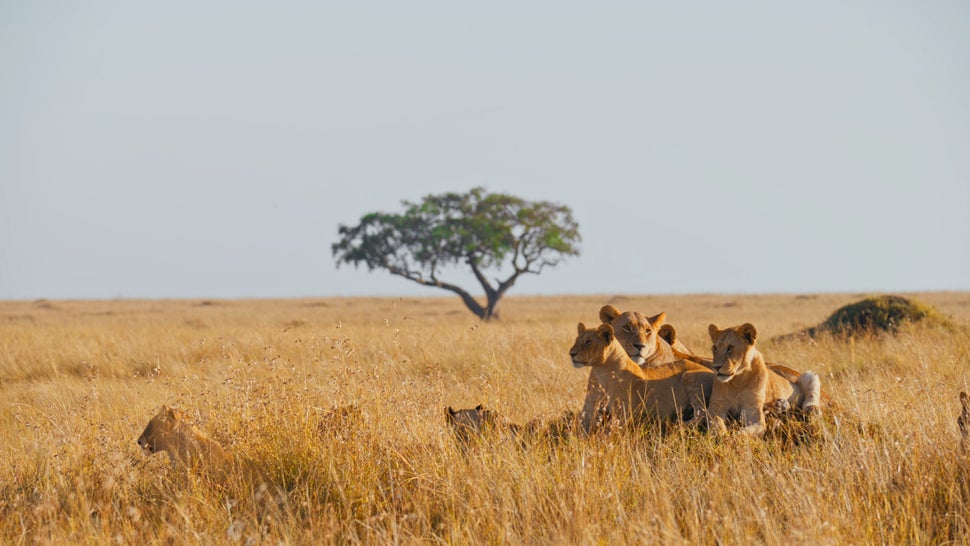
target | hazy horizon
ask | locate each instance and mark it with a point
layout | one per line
(201, 152)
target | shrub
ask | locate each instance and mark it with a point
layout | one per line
(879, 314)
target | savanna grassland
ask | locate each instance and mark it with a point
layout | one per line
(79, 380)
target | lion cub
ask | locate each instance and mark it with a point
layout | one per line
(632, 392)
(170, 431)
(745, 386)
(469, 425)
(475, 424)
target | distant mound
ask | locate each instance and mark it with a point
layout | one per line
(879, 314)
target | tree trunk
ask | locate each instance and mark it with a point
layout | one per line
(491, 309)
(475, 307)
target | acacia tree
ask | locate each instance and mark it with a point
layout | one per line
(477, 229)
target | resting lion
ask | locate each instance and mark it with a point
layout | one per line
(669, 334)
(468, 424)
(745, 386)
(664, 391)
(478, 422)
(170, 431)
(638, 335)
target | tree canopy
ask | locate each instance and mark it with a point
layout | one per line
(477, 229)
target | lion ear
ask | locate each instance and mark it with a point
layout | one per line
(581, 328)
(748, 332)
(667, 333)
(480, 407)
(605, 331)
(609, 313)
(657, 321)
(451, 412)
(713, 332)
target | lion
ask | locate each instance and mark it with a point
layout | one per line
(638, 335)
(669, 334)
(468, 424)
(745, 387)
(478, 422)
(633, 393)
(170, 431)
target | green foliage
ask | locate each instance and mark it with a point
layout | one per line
(879, 314)
(479, 229)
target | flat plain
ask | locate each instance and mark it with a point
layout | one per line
(80, 379)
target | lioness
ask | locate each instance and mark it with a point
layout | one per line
(638, 335)
(745, 387)
(669, 334)
(170, 431)
(632, 392)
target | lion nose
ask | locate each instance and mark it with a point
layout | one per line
(639, 345)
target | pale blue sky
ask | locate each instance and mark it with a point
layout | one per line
(209, 149)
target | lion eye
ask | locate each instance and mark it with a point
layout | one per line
(586, 342)
(729, 348)
(627, 328)
(647, 331)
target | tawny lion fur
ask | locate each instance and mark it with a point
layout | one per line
(663, 391)
(745, 387)
(170, 431)
(638, 335)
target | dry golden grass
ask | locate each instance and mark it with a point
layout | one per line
(79, 380)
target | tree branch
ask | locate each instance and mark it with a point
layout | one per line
(489, 291)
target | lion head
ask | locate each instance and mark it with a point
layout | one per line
(591, 345)
(159, 433)
(732, 349)
(468, 423)
(637, 333)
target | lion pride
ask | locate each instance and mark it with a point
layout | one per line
(664, 391)
(638, 335)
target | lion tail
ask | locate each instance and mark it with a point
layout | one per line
(697, 359)
(811, 385)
